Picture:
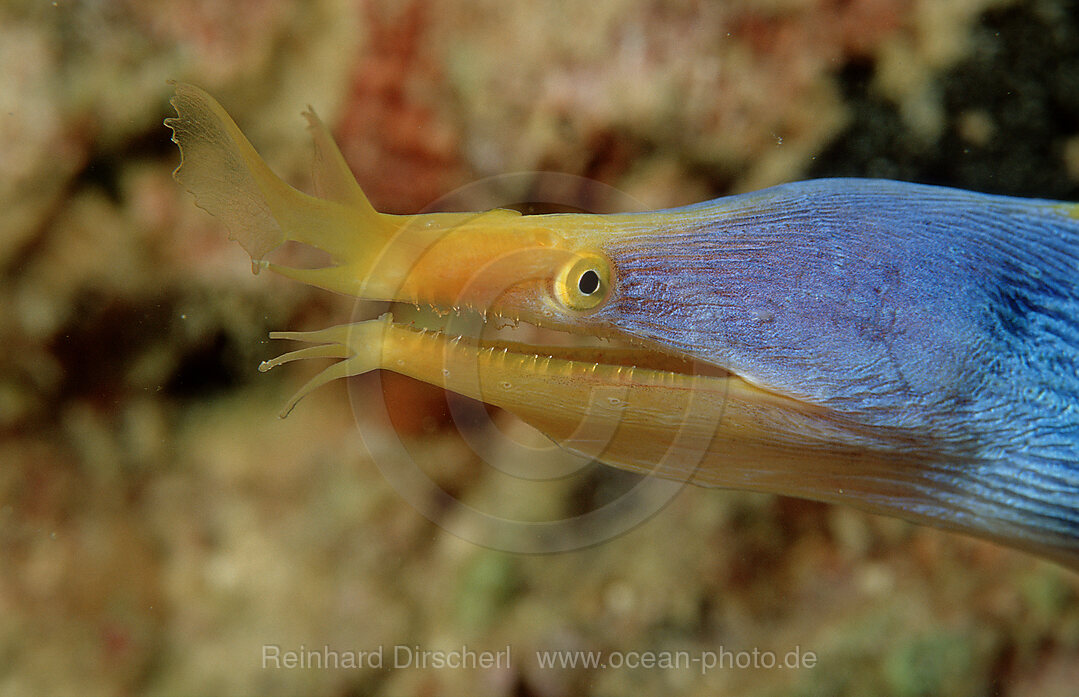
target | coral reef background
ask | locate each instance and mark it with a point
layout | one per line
(159, 525)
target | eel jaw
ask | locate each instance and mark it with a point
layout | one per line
(470, 336)
(625, 405)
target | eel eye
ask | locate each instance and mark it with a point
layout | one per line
(584, 283)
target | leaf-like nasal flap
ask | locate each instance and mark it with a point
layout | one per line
(231, 182)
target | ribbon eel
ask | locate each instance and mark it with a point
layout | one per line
(906, 349)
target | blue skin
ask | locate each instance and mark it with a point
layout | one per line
(942, 322)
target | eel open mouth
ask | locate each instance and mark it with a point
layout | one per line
(470, 344)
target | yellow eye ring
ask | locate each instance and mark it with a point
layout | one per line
(584, 283)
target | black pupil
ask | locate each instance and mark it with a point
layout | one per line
(589, 282)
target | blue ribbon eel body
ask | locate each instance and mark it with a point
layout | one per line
(906, 349)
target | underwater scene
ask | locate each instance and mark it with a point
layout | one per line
(644, 347)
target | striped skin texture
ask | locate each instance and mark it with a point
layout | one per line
(942, 321)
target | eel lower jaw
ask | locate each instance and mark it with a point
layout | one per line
(466, 341)
(639, 409)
